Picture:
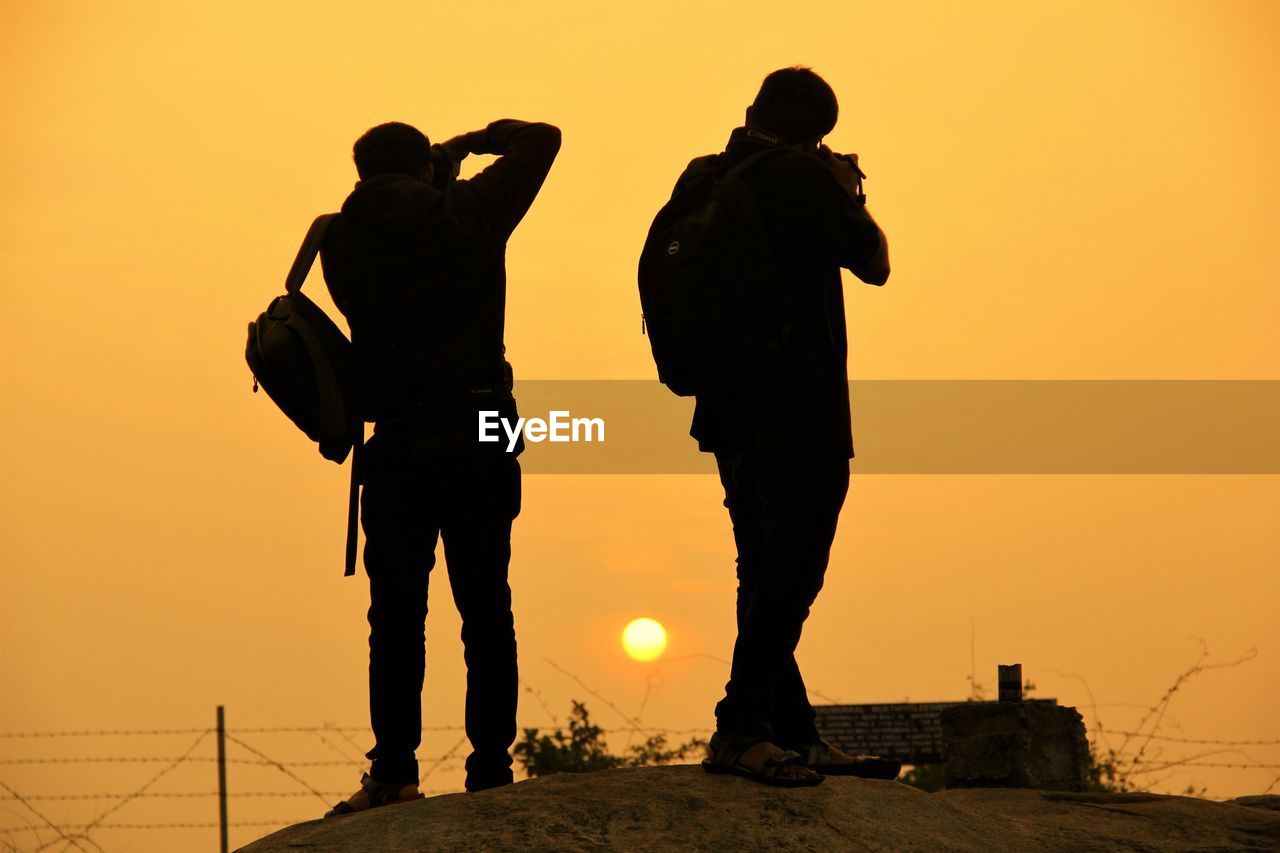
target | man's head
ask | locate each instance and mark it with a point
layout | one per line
(393, 147)
(796, 105)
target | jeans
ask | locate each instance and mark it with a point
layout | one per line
(415, 492)
(784, 503)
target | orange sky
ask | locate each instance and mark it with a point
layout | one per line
(1071, 190)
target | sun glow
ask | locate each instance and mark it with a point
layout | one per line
(644, 639)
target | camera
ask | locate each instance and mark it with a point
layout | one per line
(852, 160)
(445, 169)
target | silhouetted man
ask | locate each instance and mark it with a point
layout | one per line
(780, 431)
(416, 263)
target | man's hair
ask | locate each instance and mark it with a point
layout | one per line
(795, 104)
(391, 147)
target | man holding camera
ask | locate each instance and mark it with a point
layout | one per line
(416, 263)
(781, 431)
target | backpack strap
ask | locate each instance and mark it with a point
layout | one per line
(751, 206)
(712, 168)
(750, 160)
(353, 505)
(292, 284)
(307, 252)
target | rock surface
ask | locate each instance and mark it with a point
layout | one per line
(667, 808)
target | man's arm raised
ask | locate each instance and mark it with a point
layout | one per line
(859, 244)
(499, 196)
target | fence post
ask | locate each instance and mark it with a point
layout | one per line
(222, 780)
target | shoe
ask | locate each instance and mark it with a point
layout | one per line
(818, 757)
(374, 794)
(724, 755)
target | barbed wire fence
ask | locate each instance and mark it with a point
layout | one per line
(297, 773)
(78, 835)
(306, 778)
(1138, 763)
(294, 773)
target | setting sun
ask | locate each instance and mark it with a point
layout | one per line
(644, 639)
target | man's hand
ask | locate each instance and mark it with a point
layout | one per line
(456, 148)
(846, 169)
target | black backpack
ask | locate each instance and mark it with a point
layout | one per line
(706, 274)
(306, 365)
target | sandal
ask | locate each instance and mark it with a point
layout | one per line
(723, 755)
(817, 757)
(375, 795)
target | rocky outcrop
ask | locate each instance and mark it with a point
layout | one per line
(683, 808)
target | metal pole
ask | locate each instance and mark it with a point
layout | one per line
(222, 780)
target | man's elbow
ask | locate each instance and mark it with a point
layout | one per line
(877, 276)
(550, 135)
(873, 270)
(871, 259)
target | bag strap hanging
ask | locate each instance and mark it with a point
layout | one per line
(293, 283)
(353, 505)
(307, 252)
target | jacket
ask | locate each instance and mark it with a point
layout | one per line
(419, 271)
(815, 226)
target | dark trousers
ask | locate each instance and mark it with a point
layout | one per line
(784, 503)
(415, 492)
